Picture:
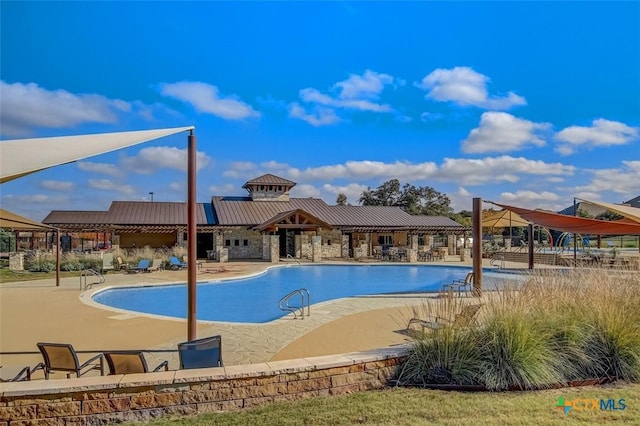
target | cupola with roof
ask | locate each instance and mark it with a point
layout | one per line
(269, 188)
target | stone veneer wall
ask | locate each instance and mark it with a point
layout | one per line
(141, 397)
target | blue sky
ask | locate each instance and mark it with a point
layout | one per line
(527, 103)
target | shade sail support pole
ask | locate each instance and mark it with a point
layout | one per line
(57, 231)
(531, 246)
(477, 246)
(191, 238)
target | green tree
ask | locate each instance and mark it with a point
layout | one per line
(609, 215)
(341, 200)
(414, 200)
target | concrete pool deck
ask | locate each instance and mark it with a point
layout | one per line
(33, 311)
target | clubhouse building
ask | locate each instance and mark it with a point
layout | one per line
(267, 224)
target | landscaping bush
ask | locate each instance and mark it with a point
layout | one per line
(558, 327)
(41, 266)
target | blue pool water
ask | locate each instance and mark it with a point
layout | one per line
(256, 299)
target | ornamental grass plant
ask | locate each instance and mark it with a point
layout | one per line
(556, 327)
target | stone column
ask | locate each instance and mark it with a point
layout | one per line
(298, 246)
(345, 247)
(16, 261)
(274, 252)
(316, 248)
(223, 255)
(266, 250)
(451, 244)
(412, 251)
(218, 244)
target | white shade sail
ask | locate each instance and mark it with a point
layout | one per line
(629, 212)
(20, 157)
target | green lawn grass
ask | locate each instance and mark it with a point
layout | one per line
(410, 406)
(7, 276)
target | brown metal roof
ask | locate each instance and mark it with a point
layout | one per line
(130, 213)
(243, 211)
(269, 179)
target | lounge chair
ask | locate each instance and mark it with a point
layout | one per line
(176, 264)
(143, 266)
(463, 319)
(121, 264)
(156, 265)
(460, 285)
(201, 353)
(18, 374)
(62, 357)
(129, 362)
(107, 263)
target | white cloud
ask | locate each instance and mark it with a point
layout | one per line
(275, 165)
(100, 168)
(528, 197)
(466, 87)
(108, 185)
(206, 98)
(305, 191)
(601, 133)
(226, 189)
(150, 160)
(534, 200)
(369, 85)
(497, 169)
(353, 191)
(426, 117)
(366, 169)
(57, 185)
(623, 180)
(318, 117)
(502, 132)
(176, 187)
(358, 92)
(28, 106)
(18, 200)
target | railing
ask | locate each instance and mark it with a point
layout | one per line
(497, 259)
(293, 258)
(284, 305)
(90, 272)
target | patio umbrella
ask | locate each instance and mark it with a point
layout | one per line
(503, 219)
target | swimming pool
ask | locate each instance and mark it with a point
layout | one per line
(255, 299)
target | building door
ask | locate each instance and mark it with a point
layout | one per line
(287, 242)
(204, 243)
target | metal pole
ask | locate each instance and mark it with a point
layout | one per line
(575, 237)
(530, 246)
(477, 246)
(191, 238)
(57, 258)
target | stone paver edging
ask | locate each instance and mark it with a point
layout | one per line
(141, 397)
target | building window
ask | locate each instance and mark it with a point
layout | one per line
(328, 242)
(385, 240)
(422, 240)
(227, 243)
(184, 236)
(279, 188)
(245, 242)
(236, 243)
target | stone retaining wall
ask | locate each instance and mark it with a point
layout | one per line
(141, 397)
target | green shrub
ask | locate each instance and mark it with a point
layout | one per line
(447, 356)
(41, 266)
(71, 266)
(558, 327)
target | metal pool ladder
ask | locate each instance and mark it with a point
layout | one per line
(303, 293)
(87, 272)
